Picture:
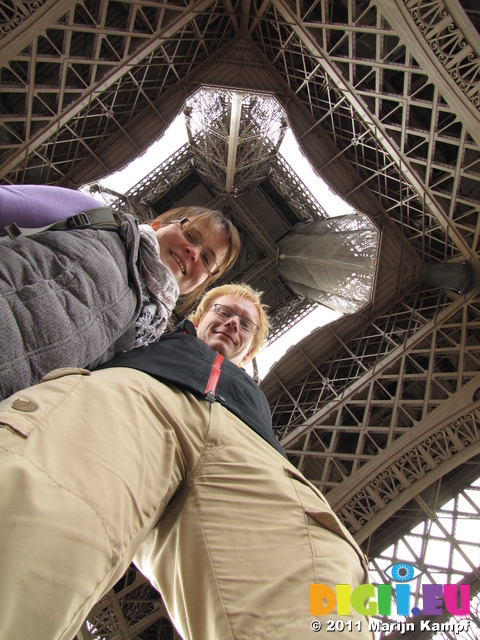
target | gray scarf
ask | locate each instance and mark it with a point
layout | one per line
(159, 289)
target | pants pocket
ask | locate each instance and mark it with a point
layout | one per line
(23, 412)
(316, 507)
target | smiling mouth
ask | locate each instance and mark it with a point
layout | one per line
(178, 261)
(226, 335)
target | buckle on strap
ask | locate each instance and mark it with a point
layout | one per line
(78, 221)
(13, 230)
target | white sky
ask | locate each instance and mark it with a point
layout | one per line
(173, 138)
(176, 136)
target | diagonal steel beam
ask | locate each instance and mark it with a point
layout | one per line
(97, 88)
(42, 18)
(394, 355)
(374, 124)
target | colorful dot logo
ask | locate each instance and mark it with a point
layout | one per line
(371, 600)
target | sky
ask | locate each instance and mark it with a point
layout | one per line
(176, 136)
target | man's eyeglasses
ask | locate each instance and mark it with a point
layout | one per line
(225, 313)
(194, 237)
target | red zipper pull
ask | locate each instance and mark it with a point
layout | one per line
(213, 379)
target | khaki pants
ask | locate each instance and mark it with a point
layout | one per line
(95, 468)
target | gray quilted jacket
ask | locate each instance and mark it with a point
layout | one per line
(67, 298)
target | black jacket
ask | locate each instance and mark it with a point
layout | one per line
(183, 359)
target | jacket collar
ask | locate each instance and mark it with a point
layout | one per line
(185, 326)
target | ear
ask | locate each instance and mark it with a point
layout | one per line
(197, 322)
(245, 358)
(155, 224)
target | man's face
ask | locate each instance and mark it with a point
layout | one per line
(227, 335)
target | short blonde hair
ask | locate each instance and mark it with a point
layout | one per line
(213, 218)
(242, 291)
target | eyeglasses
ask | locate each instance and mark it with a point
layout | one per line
(225, 313)
(194, 237)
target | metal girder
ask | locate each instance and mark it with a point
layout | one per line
(436, 446)
(237, 100)
(372, 122)
(42, 17)
(398, 14)
(95, 89)
(386, 362)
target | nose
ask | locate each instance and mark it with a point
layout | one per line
(232, 322)
(193, 252)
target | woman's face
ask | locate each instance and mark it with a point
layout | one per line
(184, 259)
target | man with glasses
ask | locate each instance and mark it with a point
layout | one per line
(165, 456)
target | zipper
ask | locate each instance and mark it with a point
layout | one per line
(213, 379)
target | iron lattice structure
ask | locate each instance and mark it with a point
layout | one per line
(379, 409)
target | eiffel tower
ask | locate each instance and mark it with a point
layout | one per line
(381, 408)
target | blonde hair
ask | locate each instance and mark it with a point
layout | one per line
(244, 291)
(213, 218)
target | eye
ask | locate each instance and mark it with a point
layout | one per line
(206, 259)
(189, 236)
(402, 572)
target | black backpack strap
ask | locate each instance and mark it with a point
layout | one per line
(102, 218)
